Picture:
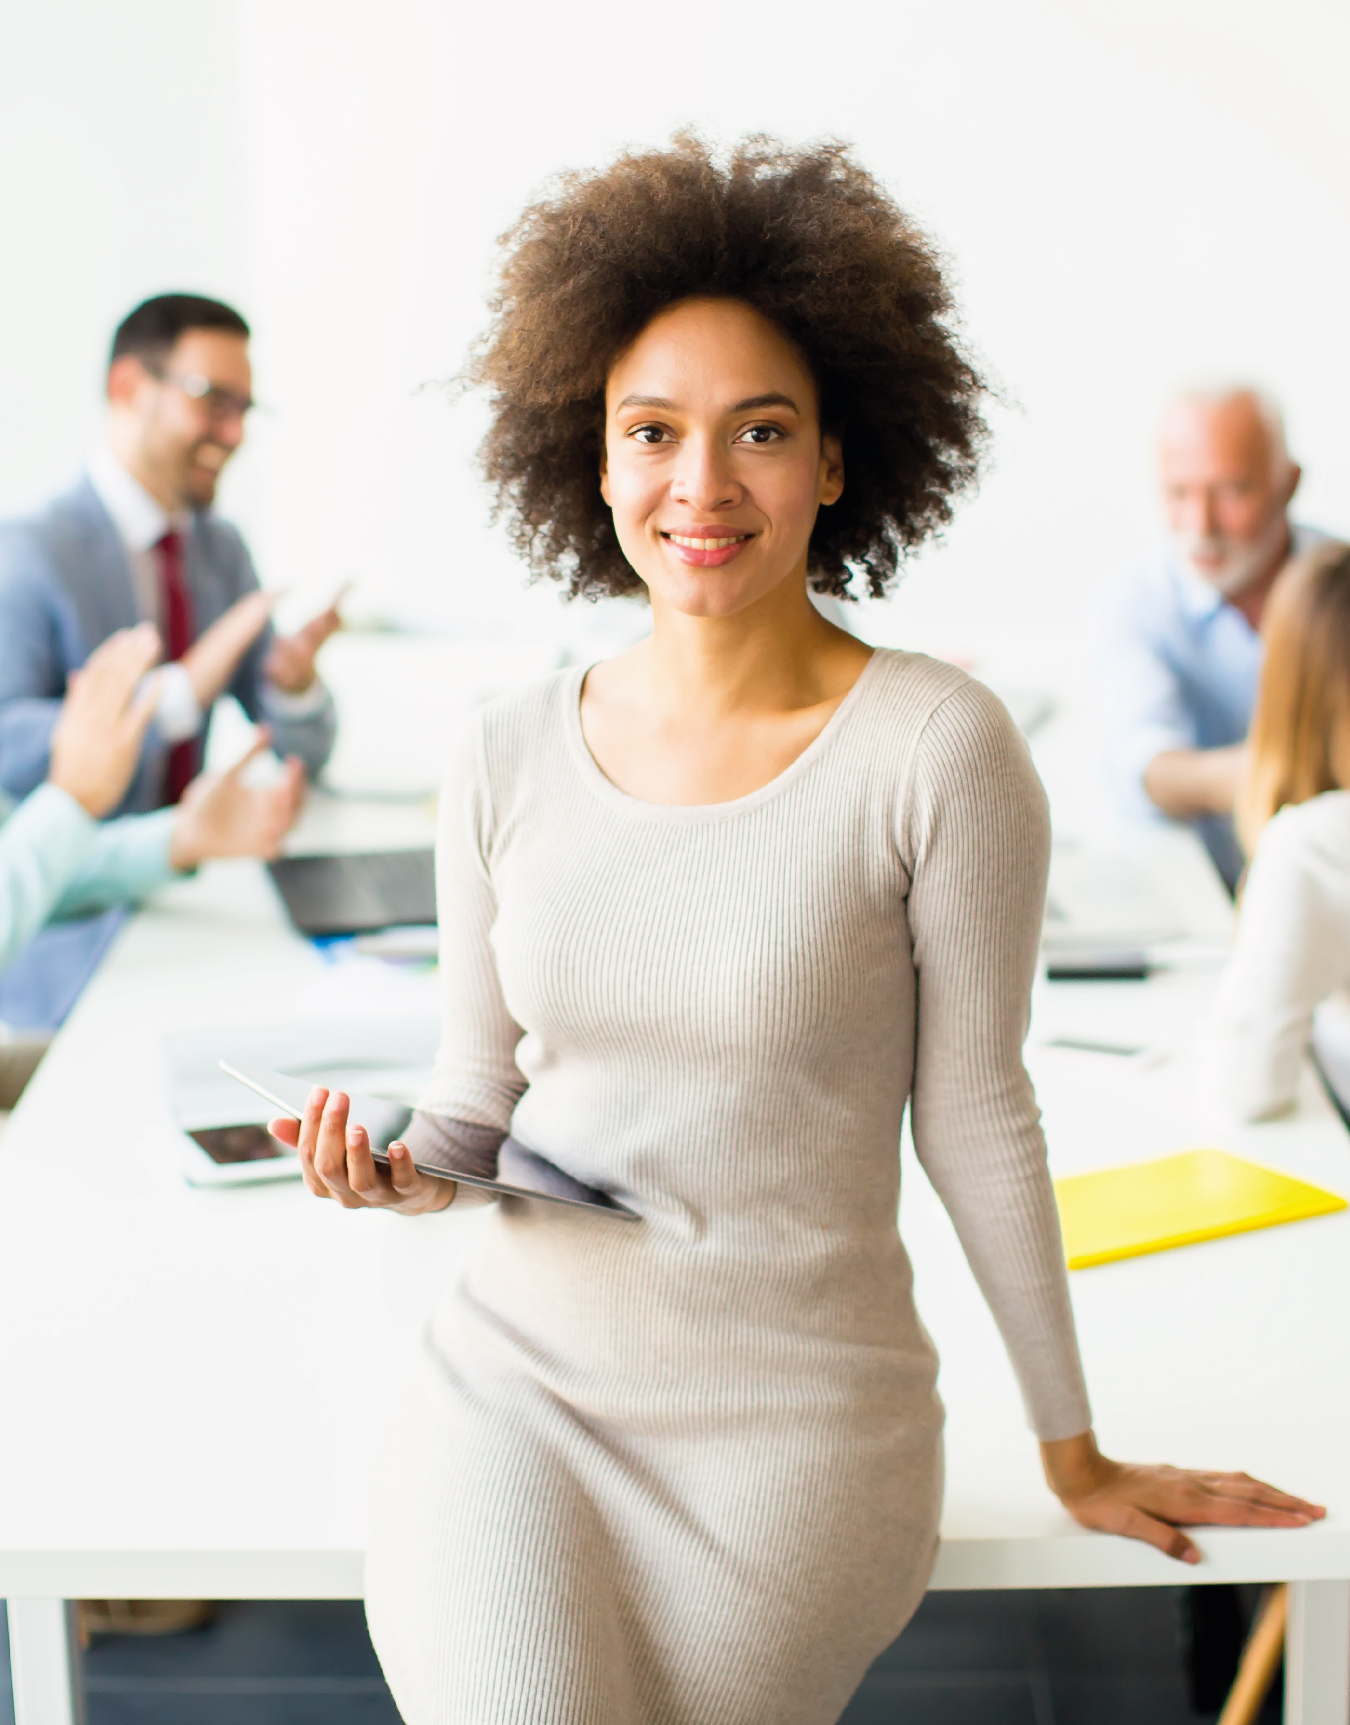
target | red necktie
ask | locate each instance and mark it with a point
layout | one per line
(175, 612)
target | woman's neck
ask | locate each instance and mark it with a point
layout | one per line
(777, 655)
(711, 708)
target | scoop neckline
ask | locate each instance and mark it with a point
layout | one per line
(609, 792)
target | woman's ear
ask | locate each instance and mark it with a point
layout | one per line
(604, 474)
(832, 468)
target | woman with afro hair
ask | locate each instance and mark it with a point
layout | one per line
(713, 913)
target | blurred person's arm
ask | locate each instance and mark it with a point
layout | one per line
(1142, 711)
(220, 815)
(302, 720)
(57, 859)
(1188, 783)
(43, 846)
(1291, 951)
(290, 667)
(95, 745)
(41, 649)
(212, 662)
(39, 644)
(57, 862)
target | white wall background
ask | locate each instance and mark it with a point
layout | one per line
(1128, 194)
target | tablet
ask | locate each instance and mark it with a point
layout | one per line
(521, 1172)
(220, 1135)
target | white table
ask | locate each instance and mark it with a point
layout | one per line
(194, 1377)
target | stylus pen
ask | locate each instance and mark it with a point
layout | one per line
(292, 1113)
(286, 1108)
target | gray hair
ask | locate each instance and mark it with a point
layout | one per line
(1219, 391)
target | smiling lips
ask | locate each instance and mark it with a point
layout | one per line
(708, 547)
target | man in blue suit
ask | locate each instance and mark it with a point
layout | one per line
(136, 540)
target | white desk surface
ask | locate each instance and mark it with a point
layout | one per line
(335, 823)
(194, 1378)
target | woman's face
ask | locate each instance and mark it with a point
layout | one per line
(714, 463)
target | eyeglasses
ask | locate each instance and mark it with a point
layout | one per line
(220, 403)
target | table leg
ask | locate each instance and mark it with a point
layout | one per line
(1317, 1654)
(44, 1659)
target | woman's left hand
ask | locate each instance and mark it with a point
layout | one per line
(1151, 1503)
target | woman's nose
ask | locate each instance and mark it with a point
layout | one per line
(704, 478)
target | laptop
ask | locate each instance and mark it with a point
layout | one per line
(357, 892)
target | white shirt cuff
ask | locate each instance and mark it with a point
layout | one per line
(178, 714)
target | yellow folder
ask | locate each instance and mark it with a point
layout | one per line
(1174, 1201)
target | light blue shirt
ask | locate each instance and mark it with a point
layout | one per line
(57, 863)
(1177, 668)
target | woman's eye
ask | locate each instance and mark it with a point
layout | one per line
(648, 433)
(761, 434)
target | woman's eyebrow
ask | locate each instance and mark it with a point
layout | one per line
(773, 399)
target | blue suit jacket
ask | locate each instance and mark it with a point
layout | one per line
(65, 586)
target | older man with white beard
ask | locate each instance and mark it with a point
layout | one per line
(1180, 649)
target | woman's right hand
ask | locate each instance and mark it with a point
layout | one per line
(336, 1161)
(96, 743)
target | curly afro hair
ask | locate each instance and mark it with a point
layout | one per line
(809, 239)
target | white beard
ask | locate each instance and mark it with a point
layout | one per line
(1242, 562)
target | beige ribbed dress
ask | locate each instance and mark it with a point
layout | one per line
(688, 1471)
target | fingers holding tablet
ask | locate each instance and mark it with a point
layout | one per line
(336, 1161)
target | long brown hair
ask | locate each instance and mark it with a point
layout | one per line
(1304, 697)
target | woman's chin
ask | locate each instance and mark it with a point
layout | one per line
(710, 593)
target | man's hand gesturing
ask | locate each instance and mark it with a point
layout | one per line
(214, 656)
(223, 816)
(96, 744)
(290, 664)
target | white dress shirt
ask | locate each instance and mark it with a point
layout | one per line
(141, 522)
(1292, 953)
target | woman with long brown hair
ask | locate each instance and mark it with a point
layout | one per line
(1293, 817)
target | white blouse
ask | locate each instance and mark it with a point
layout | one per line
(1292, 952)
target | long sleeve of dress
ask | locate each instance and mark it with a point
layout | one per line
(476, 1078)
(975, 835)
